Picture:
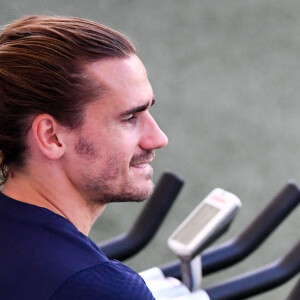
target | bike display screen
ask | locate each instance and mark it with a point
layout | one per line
(196, 224)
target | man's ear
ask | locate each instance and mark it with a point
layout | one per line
(46, 132)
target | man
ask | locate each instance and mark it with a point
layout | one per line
(75, 134)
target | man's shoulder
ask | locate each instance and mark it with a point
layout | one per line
(108, 280)
(39, 251)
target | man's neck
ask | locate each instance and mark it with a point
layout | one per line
(55, 196)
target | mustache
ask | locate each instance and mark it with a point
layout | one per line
(147, 155)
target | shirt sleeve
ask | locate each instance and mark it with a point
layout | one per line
(110, 281)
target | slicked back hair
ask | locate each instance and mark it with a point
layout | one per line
(42, 61)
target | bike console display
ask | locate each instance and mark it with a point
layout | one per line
(210, 218)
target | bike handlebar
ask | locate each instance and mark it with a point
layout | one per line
(233, 251)
(260, 280)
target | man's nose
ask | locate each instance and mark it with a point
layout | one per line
(153, 137)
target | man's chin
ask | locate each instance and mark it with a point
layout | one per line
(132, 193)
(139, 194)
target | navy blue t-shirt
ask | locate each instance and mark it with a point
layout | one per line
(44, 256)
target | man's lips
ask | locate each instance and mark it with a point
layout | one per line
(142, 161)
(141, 165)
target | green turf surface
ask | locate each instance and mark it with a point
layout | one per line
(225, 75)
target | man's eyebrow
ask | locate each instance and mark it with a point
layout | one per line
(137, 109)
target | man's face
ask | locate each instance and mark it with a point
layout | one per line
(110, 154)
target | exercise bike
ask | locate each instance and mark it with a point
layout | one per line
(181, 279)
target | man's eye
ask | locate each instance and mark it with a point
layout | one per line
(131, 119)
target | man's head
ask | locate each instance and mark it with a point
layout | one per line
(118, 136)
(41, 71)
(85, 78)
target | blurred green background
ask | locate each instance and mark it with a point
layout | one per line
(225, 76)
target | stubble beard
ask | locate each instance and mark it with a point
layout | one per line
(104, 189)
